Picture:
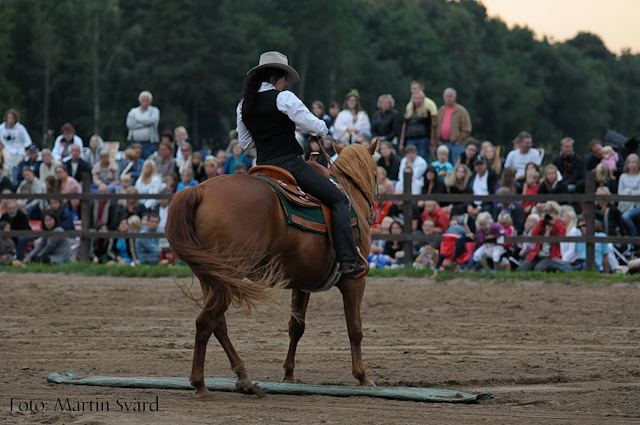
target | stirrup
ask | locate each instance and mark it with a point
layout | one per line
(351, 270)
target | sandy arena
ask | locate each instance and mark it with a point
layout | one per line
(550, 353)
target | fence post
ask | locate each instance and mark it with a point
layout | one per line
(85, 217)
(407, 212)
(590, 216)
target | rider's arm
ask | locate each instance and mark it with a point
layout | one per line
(288, 103)
(244, 137)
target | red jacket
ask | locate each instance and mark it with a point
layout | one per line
(380, 211)
(558, 229)
(440, 218)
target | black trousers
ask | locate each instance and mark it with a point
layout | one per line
(315, 184)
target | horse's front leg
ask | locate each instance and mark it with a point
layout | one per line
(299, 303)
(352, 292)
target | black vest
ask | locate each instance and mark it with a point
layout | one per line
(271, 130)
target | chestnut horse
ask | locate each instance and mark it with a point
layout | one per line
(233, 233)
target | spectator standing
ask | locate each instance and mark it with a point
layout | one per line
(51, 250)
(142, 122)
(14, 136)
(352, 120)
(418, 86)
(389, 161)
(18, 221)
(571, 166)
(64, 142)
(519, 158)
(181, 136)
(416, 129)
(105, 171)
(236, 157)
(165, 164)
(7, 247)
(148, 250)
(30, 161)
(453, 125)
(91, 155)
(418, 167)
(149, 182)
(76, 166)
(387, 122)
(629, 184)
(66, 183)
(47, 166)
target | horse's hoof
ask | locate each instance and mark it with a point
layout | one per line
(290, 381)
(368, 383)
(249, 388)
(200, 393)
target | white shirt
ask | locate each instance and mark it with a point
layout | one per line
(15, 139)
(345, 121)
(59, 147)
(143, 126)
(480, 186)
(419, 167)
(163, 212)
(290, 105)
(520, 161)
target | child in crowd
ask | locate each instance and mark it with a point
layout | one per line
(187, 180)
(609, 158)
(530, 187)
(135, 223)
(505, 221)
(122, 251)
(488, 233)
(442, 165)
(453, 248)
(7, 247)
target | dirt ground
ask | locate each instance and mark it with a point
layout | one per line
(550, 353)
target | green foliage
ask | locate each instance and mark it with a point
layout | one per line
(85, 61)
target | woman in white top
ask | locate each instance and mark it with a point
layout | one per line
(149, 182)
(14, 135)
(352, 121)
(568, 249)
(629, 184)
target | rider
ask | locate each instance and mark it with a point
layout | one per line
(267, 119)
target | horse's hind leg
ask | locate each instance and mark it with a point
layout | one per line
(205, 325)
(352, 291)
(299, 303)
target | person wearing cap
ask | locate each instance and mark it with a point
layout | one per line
(483, 182)
(48, 165)
(105, 171)
(267, 117)
(29, 161)
(142, 122)
(352, 121)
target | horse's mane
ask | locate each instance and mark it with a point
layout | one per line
(357, 163)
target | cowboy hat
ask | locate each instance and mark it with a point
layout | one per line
(276, 60)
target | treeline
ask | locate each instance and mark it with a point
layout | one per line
(85, 61)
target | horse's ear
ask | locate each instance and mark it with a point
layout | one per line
(372, 148)
(337, 148)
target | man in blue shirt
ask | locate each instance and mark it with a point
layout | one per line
(148, 250)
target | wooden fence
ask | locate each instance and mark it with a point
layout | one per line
(588, 200)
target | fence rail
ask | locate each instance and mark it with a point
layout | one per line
(407, 237)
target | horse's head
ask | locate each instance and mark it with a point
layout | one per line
(355, 167)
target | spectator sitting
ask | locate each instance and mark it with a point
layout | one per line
(50, 250)
(172, 182)
(125, 184)
(165, 163)
(453, 248)
(389, 161)
(520, 157)
(149, 182)
(432, 184)
(51, 184)
(66, 183)
(61, 147)
(506, 222)
(105, 171)
(18, 221)
(197, 166)
(210, 168)
(508, 179)
(630, 185)
(236, 157)
(104, 210)
(65, 220)
(352, 120)
(605, 178)
(487, 234)
(429, 229)
(513, 208)
(609, 215)
(394, 249)
(187, 180)
(569, 249)
(433, 211)
(162, 209)
(417, 165)
(100, 246)
(7, 246)
(529, 225)
(76, 166)
(428, 254)
(75, 209)
(148, 250)
(122, 251)
(30, 161)
(377, 246)
(221, 157)
(132, 164)
(384, 181)
(5, 165)
(180, 135)
(185, 160)
(470, 154)
(130, 207)
(483, 182)
(530, 187)
(493, 160)
(33, 186)
(135, 223)
(550, 184)
(592, 161)
(380, 210)
(547, 256)
(239, 169)
(570, 166)
(5, 182)
(48, 166)
(457, 183)
(442, 165)
(91, 155)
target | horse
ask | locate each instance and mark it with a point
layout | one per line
(233, 233)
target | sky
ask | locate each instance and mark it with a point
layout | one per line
(617, 22)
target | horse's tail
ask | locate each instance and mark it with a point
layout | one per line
(223, 273)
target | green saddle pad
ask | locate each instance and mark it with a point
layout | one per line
(305, 217)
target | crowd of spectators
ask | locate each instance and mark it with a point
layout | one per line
(428, 144)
